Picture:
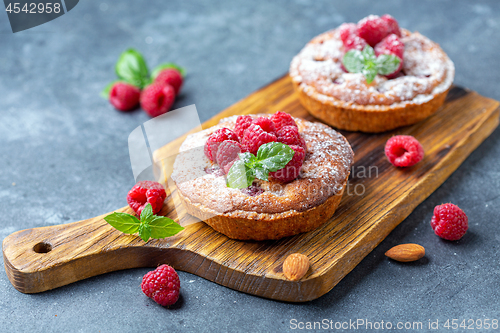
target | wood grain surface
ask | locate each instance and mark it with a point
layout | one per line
(378, 198)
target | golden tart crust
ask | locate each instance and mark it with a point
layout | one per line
(281, 210)
(345, 101)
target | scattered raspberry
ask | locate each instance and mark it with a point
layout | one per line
(346, 30)
(354, 43)
(172, 77)
(392, 24)
(157, 99)
(449, 222)
(404, 151)
(124, 96)
(216, 139)
(162, 285)
(391, 45)
(227, 154)
(242, 123)
(372, 29)
(266, 124)
(254, 137)
(281, 119)
(290, 135)
(292, 169)
(145, 192)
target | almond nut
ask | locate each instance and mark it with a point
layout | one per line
(295, 266)
(406, 252)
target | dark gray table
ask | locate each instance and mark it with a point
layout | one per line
(64, 158)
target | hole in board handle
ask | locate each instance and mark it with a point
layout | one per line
(42, 247)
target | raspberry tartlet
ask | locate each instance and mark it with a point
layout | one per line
(298, 198)
(345, 100)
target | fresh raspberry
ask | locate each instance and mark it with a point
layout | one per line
(290, 135)
(172, 77)
(227, 154)
(124, 96)
(372, 29)
(216, 139)
(162, 285)
(281, 119)
(255, 137)
(391, 45)
(449, 222)
(346, 30)
(292, 169)
(157, 99)
(354, 42)
(242, 123)
(145, 192)
(393, 26)
(266, 124)
(404, 151)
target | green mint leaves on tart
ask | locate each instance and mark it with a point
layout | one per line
(368, 64)
(149, 226)
(271, 157)
(132, 68)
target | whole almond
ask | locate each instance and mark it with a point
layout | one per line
(406, 252)
(295, 266)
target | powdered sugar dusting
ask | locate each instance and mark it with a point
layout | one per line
(317, 68)
(323, 174)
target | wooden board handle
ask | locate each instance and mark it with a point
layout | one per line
(44, 258)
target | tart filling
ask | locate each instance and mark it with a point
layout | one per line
(323, 174)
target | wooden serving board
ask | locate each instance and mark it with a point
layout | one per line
(374, 203)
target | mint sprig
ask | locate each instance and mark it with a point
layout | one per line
(271, 157)
(132, 68)
(149, 226)
(368, 64)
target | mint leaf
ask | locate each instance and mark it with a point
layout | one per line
(368, 53)
(144, 231)
(387, 64)
(353, 61)
(369, 71)
(147, 213)
(368, 64)
(261, 172)
(274, 155)
(167, 65)
(150, 225)
(131, 68)
(239, 176)
(162, 227)
(248, 158)
(105, 92)
(123, 222)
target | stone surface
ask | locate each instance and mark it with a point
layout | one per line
(65, 158)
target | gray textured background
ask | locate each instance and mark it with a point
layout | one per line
(66, 151)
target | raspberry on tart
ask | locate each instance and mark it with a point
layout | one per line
(345, 100)
(297, 198)
(216, 139)
(254, 137)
